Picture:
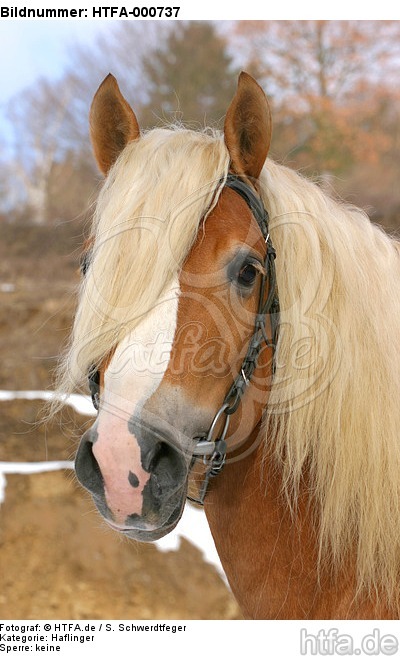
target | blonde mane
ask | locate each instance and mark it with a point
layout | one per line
(146, 220)
(334, 408)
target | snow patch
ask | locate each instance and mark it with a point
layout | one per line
(7, 287)
(28, 468)
(80, 403)
(193, 526)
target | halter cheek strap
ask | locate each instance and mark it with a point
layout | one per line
(212, 449)
(254, 202)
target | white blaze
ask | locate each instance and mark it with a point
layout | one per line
(141, 359)
(133, 375)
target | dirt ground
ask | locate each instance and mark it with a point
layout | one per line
(57, 558)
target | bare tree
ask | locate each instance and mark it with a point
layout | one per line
(192, 74)
(37, 117)
(326, 80)
(303, 61)
(121, 50)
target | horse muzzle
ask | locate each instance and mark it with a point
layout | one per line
(137, 478)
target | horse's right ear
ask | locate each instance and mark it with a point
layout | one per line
(113, 123)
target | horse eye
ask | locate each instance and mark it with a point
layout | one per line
(247, 275)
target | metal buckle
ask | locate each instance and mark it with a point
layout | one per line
(206, 446)
(213, 452)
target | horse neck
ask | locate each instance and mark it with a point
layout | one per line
(270, 555)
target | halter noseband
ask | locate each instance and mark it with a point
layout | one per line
(212, 449)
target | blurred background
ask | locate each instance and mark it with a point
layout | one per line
(333, 87)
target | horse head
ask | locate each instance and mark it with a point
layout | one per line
(186, 363)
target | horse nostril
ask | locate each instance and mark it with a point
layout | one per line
(150, 450)
(168, 470)
(164, 462)
(87, 469)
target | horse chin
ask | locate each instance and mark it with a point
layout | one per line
(142, 531)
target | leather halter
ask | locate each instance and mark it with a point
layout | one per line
(210, 448)
(213, 449)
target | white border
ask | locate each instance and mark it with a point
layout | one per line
(235, 9)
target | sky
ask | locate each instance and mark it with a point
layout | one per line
(31, 49)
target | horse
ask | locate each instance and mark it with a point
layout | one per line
(238, 328)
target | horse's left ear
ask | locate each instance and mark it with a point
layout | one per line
(113, 123)
(247, 128)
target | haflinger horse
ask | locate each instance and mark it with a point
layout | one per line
(239, 330)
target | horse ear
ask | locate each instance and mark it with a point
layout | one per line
(113, 123)
(247, 128)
